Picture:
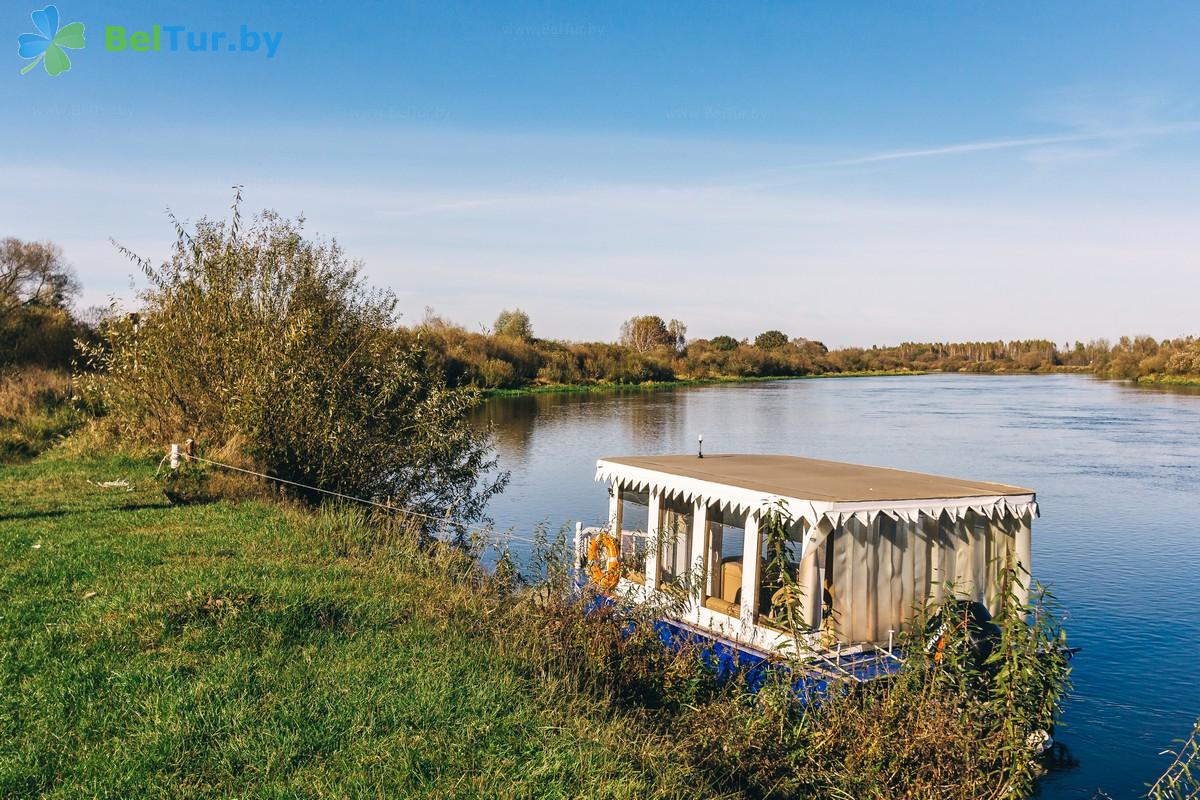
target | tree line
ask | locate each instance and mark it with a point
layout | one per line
(649, 348)
(38, 326)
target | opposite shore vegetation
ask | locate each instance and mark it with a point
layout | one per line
(237, 616)
(39, 328)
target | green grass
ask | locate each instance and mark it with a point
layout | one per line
(228, 650)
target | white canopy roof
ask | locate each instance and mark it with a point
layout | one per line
(814, 490)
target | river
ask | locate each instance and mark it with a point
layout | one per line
(1116, 469)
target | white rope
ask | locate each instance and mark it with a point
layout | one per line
(493, 536)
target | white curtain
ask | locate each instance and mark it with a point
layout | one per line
(883, 571)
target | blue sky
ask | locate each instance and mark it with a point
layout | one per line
(858, 173)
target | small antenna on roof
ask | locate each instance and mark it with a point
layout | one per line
(700, 446)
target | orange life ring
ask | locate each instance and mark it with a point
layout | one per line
(605, 572)
(943, 640)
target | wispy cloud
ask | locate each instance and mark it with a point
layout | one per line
(983, 146)
(1042, 149)
(1111, 137)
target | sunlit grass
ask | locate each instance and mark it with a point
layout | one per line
(226, 649)
(35, 411)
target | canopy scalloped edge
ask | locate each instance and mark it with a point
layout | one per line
(742, 501)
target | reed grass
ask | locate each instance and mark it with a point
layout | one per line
(36, 411)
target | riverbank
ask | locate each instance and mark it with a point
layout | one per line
(561, 388)
(261, 649)
(244, 648)
(1168, 380)
(1184, 381)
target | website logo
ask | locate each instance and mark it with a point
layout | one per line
(46, 47)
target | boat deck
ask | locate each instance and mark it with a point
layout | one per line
(728, 660)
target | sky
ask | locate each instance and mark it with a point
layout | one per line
(858, 173)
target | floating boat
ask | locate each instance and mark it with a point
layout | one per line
(863, 547)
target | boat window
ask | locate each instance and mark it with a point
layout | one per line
(635, 510)
(634, 516)
(779, 569)
(723, 562)
(675, 539)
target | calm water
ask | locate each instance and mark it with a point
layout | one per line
(1116, 468)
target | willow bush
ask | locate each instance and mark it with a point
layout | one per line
(1181, 780)
(264, 337)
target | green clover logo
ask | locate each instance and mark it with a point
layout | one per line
(47, 47)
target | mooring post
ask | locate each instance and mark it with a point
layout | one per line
(174, 456)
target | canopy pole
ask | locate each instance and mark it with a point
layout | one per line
(750, 570)
(699, 553)
(614, 511)
(1024, 554)
(809, 585)
(653, 523)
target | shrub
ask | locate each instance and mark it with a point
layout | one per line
(1181, 780)
(1185, 360)
(39, 336)
(497, 374)
(561, 367)
(272, 338)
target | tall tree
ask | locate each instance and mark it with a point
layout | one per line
(33, 274)
(36, 290)
(678, 333)
(723, 343)
(646, 333)
(514, 323)
(769, 340)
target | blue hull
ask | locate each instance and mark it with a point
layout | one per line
(727, 660)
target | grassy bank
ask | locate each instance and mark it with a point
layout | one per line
(588, 388)
(241, 649)
(1169, 380)
(558, 388)
(255, 649)
(35, 411)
